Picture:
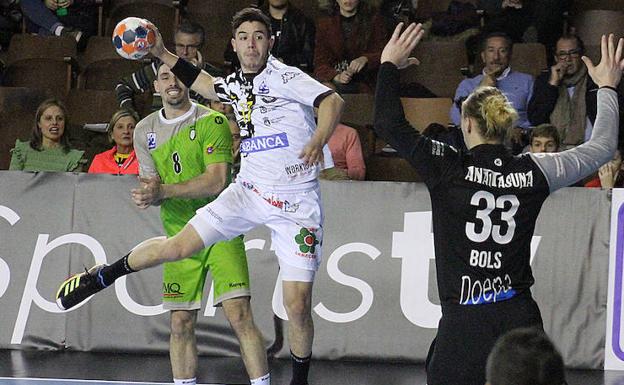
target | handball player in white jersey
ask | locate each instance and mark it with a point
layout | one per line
(282, 150)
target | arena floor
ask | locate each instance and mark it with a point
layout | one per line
(77, 368)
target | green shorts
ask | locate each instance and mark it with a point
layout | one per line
(183, 281)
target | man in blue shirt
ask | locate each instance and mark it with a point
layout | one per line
(517, 86)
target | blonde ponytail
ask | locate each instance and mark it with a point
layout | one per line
(492, 111)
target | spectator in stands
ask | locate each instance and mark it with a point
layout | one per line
(349, 39)
(525, 20)
(525, 356)
(566, 96)
(346, 151)
(189, 38)
(10, 21)
(610, 175)
(293, 33)
(120, 159)
(73, 18)
(48, 149)
(496, 50)
(544, 138)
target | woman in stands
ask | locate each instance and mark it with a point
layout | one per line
(48, 149)
(121, 158)
(485, 203)
(349, 39)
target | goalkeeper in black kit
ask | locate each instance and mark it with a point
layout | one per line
(485, 203)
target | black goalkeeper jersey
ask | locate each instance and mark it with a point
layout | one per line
(485, 201)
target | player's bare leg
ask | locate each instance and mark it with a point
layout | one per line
(150, 253)
(298, 304)
(183, 344)
(238, 312)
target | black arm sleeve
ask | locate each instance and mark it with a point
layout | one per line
(186, 72)
(430, 158)
(543, 101)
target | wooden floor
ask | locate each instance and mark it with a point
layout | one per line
(78, 368)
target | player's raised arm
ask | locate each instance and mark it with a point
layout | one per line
(193, 77)
(390, 122)
(565, 168)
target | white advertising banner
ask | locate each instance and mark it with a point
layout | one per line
(614, 341)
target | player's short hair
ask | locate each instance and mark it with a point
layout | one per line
(496, 34)
(122, 113)
(568, 36)
(250, 14)
(493, 112)
(525, 357)
(545, 130)
(36, 137)
(192, 28)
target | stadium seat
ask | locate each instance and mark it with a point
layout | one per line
(390, 168)
(440, 67)
(358, 109)
(40, 62)
(18, 106)
(422, 112)
(529, 58)
(216, 22)
(591, 25)
(102, 67)
(579, 6)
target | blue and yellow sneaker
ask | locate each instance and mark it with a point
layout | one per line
(79, 287)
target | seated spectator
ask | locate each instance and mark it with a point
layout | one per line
(120, 159)
(346, 150)
(73, 18)
(496, 51)
(10, 21)
(544, 138)
(566, 96)
(189, 38)
(349, 40)
(48, 148)
(525, 356)
(610, 174)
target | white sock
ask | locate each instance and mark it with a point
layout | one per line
(264, 380)
(58, 30)
(188, 381)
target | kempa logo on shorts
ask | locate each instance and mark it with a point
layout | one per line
(306, 240)
(237, 284)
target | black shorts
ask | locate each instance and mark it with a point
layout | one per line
(466, 334)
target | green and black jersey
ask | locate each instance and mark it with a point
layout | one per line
(178, 150)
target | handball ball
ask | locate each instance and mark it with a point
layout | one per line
(132, 38)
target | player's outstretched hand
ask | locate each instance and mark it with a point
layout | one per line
(148, 194)
(312, 153)
(401, 45)
(158, 49)
(609, 71)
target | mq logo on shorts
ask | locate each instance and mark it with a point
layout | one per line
(263, 143)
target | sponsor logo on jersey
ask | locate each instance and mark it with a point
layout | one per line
(298, 168)
(268, 99)
(497, 179)
(151, 140)
(263, 89)
(219, 120)
(210, 148)
(288, 76)
(306, 240)
(264, 143)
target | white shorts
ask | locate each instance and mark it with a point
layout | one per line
(295, 220)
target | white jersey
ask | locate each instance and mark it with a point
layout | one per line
(275, 113)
